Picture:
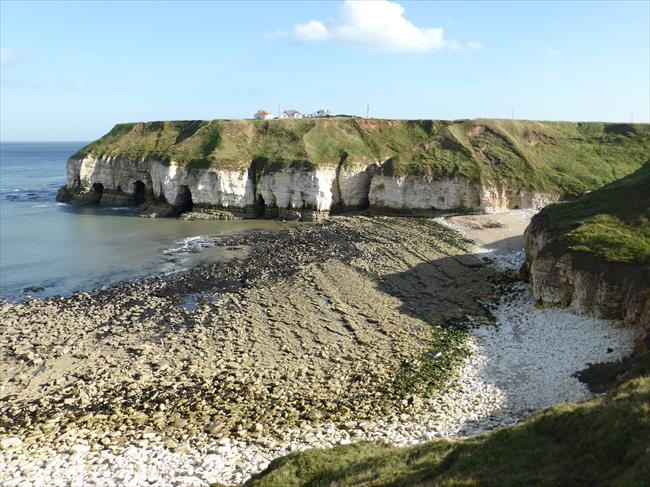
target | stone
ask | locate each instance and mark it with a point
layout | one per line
(10, 442)
(79, 449)
(261, 426)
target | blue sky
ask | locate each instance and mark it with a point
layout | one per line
(71, 70)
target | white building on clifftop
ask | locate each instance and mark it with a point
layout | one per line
(263, 115)
(291, 114)
(322, 113)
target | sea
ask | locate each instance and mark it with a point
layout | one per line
(49, 248)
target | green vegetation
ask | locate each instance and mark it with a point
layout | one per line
(556, 157)
(601, 442)
(612, 222)
(447, 349)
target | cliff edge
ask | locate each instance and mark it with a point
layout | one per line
(306, 168)
(593, 254)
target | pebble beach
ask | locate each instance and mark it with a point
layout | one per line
(295, 345)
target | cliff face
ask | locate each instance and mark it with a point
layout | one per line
(593, 254)
(288, 192)
(305, 168)
(417, 193)
(560, 277)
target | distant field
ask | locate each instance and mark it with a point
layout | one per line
(564, 158)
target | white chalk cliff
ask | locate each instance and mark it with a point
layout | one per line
(289, 192)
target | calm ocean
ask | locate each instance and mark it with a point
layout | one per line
(49, 248)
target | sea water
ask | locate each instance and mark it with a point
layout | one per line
(49, 248)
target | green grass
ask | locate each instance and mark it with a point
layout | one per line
(556, 157)
(602, 442)
(446, 351)
(563, 157)
(612, 222)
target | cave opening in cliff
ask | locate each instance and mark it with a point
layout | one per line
(184, 199)
(98, 190)
(260, 207)
(139, 192)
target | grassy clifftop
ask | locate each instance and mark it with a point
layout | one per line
(601, 442)
(612, 222)
(557, 157)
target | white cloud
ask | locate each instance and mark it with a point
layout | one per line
(552, 75)
(381, 25)
(474, 45)
(553, 52)
(313, 30)
(78, 84)
(377, 24)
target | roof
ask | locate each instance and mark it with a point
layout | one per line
(263, 112)
(291, 112)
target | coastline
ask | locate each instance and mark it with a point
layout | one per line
(315, 321)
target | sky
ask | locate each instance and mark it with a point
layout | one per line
(71, 70)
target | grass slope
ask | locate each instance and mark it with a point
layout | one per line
(612, 222)
(602, 442)
(556, 157)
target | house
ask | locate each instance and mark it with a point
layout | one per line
(323, 113)
(291, 114)
(263, 115)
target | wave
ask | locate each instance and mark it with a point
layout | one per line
(191, 245)
(175, 271)
(27, 194)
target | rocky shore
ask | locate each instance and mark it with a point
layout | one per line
(354, 329)
(593, 254)
(586, 283)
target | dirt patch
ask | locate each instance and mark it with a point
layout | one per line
(477, 130)
(501, 232)
(535, 138)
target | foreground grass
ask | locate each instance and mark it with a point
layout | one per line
(605, 441)
(612, 222)
(563, 158)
